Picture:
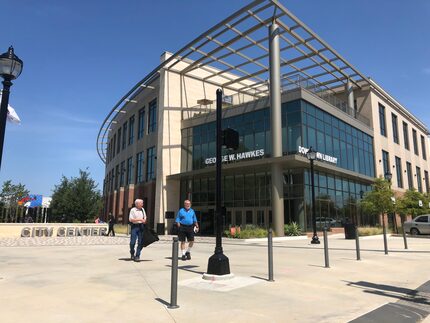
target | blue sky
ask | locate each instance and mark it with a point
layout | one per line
(80, 57)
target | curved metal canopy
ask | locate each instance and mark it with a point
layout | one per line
(234, 54)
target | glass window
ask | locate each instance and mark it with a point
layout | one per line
(152, 116)
(419, 179)
(382, 120)
(131, 130)
(409, 173)
(414, 138)
(426, 180)
(395, 128)
(422, 218)
(399, 172)
(385, 162)
(128, 179)
(423, 148)
(150, 164)
(116, 176)
(113, 147)
(139, 167)
(122, 173)
(141, 124)
(406, 135)
(118, 144)
(124, 136)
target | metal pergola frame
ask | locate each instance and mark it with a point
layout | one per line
(234, 55)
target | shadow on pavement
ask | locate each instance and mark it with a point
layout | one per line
(128, 259)
(406, 294)
(162, 301)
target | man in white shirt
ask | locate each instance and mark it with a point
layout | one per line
(137, 218)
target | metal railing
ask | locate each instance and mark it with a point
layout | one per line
(287, 84)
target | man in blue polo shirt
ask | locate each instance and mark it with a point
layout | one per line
(187, 226)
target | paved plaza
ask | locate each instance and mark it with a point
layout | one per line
(91, 279)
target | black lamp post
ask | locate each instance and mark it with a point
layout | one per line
(10, 69)
(218, 263)
(312, 155)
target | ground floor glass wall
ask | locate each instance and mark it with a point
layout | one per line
(247, 199)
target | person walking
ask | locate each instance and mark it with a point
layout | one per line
(111, 225)
(187, 226)
(137, 218)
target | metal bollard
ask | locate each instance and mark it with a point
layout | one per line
(174, 280)
(327, 265)
(357, 243)
(405, 241)
(270, 253)
(384, 231)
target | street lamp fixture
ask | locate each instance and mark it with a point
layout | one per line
(10, 68)
(312, 155)
(388, 176)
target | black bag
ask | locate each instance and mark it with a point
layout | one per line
(149, 236)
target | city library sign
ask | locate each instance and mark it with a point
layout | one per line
(320, 156)
(238, 156)
(63, 231)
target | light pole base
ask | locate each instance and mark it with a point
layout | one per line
(315, 240)
(218, 264)
(217, 277)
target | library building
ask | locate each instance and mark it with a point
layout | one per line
(285, 90)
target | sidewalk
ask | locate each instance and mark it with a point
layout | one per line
(93, 283)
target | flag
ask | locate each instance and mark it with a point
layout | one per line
(12, 116)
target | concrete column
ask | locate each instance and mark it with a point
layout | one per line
(276, 127)
(350, 94)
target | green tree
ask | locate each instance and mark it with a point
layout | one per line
(12, 193)
(409, 204)
(379, 200)
(76, 199)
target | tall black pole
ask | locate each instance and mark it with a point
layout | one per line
(3, 112)
(218, 263)
(315, 239)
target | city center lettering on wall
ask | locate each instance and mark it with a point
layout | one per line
(237, 156)
(65, 231)
(320, 156)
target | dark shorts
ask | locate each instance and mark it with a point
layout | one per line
(186, 231)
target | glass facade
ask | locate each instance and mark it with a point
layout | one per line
(336, 197)
(247, 193)
(303, 124)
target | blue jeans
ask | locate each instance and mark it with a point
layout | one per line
(136, 234)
